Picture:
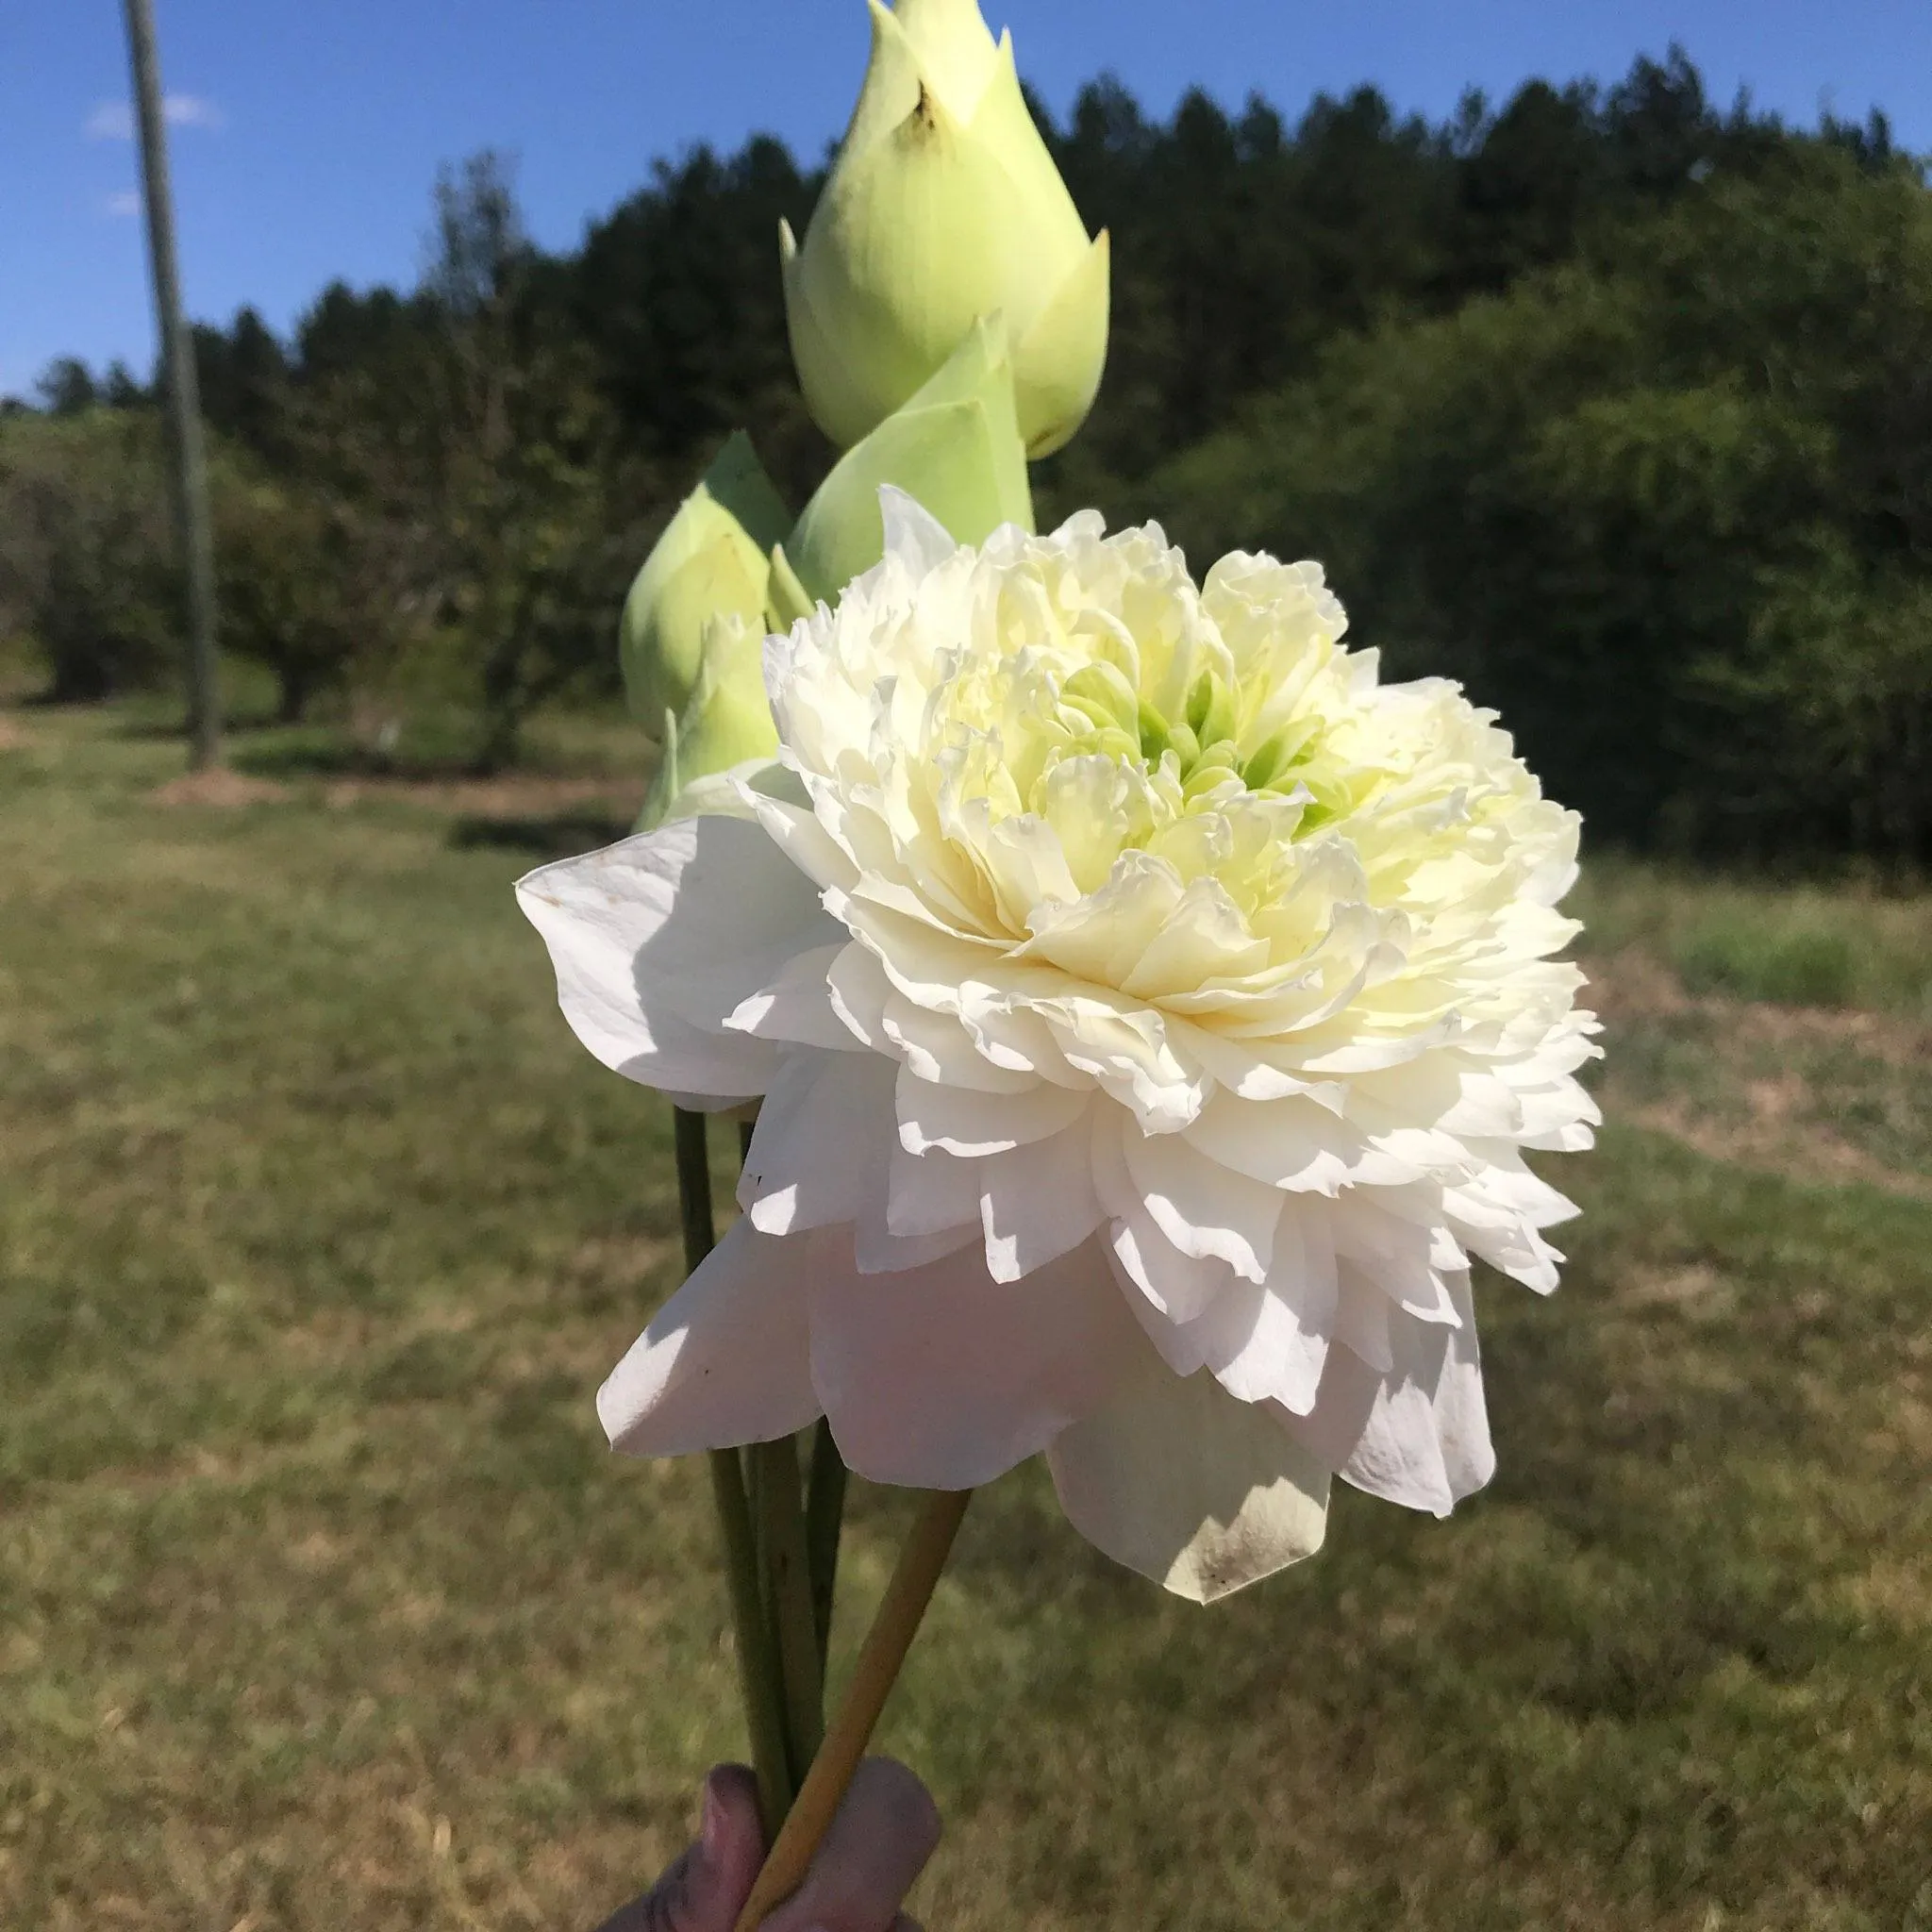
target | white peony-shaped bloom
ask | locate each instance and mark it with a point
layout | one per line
(1151, 1012)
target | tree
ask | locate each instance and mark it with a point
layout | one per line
(309, 589)
(119, 390)
(66, 388)
(1669, 508)
(87, 566)
(243, 375)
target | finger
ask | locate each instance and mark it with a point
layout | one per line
(707, 1885)
(877, 1846)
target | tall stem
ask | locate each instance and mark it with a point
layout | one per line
(788, 1589)
(758, 1659)
(893, 1627)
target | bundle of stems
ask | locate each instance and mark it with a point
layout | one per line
(780, 1524)
(780, 1528)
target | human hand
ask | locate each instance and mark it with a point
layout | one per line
(878, 1844)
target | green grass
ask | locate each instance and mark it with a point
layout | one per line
(1807, 945)
(321, 1603)
(1808, 966)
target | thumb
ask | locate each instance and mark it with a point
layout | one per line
(878, 1844)
(707, 1887)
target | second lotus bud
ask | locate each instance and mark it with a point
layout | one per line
(713, 557)
(726, 724)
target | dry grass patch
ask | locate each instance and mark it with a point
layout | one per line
(1837, 1095)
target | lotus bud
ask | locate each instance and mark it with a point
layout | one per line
(954, 447)
(713, 558)
(727, 722)
(943, 206)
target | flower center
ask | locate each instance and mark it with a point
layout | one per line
(1103, 714)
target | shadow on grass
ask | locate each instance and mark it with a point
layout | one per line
(556, 834)
(303, 752)
(152, 728)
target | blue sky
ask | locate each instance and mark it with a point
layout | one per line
(307, 135)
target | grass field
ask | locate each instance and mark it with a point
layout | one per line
(323, 1606)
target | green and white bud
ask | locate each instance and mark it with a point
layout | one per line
(954, 448)
(943, 206)
(727, 722)
(713, 559)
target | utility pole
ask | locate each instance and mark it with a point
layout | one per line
(190, 467)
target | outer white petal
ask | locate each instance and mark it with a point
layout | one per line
(634, 931)
(824, 1127)
(1178, 1480)
(940, 1378)
(877, 1250)
(725, 1361)
(796, 832)
(1148, 1266)
(1418, 1435)
(1037, 1203)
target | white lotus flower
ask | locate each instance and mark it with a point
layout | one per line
(1151, 1012)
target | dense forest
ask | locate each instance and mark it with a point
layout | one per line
(1611, 402)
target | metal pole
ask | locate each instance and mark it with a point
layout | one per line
(189, 469)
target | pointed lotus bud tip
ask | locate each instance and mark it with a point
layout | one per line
(785, 599)
(943, 203)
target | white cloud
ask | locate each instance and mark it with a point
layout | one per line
(125, 203)
(114, 119)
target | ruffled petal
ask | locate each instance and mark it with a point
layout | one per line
(1295, 1143)
(1418, 1434)
(1200, 1206)
(795, 1006)
(1263, 1340)
(656, 939)
(1176, 1479)
(1038, 1203)
(915, 537)
(927, 1193)
(962, 1120)
(823, 1128)
(1178, 1287)
(940, 1378)
(725, 1361)
(1268, 1341)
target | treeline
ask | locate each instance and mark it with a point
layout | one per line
(1613, 403)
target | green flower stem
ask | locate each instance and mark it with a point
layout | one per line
(757, 1660)
(825, 1515)
(788, 1583)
